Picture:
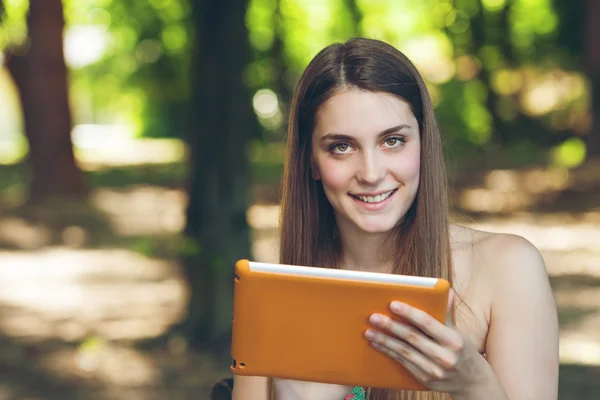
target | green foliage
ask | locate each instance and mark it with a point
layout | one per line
(144, 246)
(490, 64)
(171, 246)
(142, 77)
(570, 153)
(13, 27)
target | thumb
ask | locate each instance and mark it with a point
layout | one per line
(450, 309)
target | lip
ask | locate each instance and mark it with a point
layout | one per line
(374, 206)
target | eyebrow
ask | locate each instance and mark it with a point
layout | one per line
(339, 136)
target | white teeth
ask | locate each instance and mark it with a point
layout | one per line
(375, 199)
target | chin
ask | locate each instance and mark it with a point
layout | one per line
(381, 227)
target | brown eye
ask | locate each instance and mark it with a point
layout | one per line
(342, 147)
(394, 141)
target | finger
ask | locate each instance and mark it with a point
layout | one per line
(414, 362)
(418, 340)
(410, 366)
(425, 322)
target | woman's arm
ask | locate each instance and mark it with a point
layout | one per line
(522, 342)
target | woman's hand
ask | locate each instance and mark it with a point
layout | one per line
(437, 355)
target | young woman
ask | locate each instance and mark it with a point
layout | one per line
(364, 188)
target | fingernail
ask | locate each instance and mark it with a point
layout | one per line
(369, 334)
(376, 319)
(396, 306)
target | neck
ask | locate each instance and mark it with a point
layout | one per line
(364, 251)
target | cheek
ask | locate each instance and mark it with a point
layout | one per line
(415, 167)
(334, 175)
(409, 165)
(405, 166)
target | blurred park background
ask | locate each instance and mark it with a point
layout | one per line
(141, 145)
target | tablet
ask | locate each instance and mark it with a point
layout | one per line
(308, 323)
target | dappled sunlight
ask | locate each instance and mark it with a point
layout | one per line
(100, 369)
(264, 219)
(517, 190)
(94, 149)
(485, 200)
(71, 294)
(263, 216)
(74, 236)
(84, 45)
(97, 147)
(550, 91)
(266, 249)
(467, 67)
(580, 349)
(580, 297)
(431, 55)
(104, 362)
(117, 295)
(579, 317)
(19, 233)
(267, 109)
(142, 210)
(547, 233)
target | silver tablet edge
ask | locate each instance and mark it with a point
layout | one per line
(342, 274)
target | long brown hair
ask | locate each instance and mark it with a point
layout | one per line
(307, 224)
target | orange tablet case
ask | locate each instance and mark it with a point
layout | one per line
(312, 328)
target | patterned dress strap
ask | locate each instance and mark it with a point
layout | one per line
(358, 393)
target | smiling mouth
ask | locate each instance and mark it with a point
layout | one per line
(374, 199)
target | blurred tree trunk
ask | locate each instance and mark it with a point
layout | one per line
(592, 60)
(488, 28)
(40, 75)
(222, 123)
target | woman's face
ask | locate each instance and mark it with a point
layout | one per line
(366, 152)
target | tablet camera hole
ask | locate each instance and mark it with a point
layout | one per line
(242, 365)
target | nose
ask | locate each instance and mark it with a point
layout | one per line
(371, 169)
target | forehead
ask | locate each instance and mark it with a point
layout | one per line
(359, 112)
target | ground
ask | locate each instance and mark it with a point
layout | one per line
(82, 285)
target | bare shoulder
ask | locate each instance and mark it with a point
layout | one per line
(495, 248)
(506, 251)
(504, 258)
